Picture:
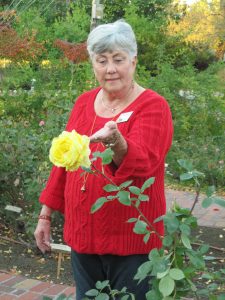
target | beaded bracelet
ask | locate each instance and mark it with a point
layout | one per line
(45, 217)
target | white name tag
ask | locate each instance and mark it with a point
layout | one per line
(124, 117)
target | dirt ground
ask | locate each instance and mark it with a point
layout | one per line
(19, 256)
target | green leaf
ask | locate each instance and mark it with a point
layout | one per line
(210, 190)
(204, 249)
(197, 261)
(92, 293)
(134, 190)
(166, 285)
(110, 188)
(207, 202)
(131, 220)
(106, 156)
(100, 285)
(186, 176)
(142, 197)
(159, 219)
(143, 270)
(126, 297)
(146, 237)
(98, 204)
(140, 227)
(152, 295)
(124, 197)
(186, 164)
(147, 184)
(163, 274)
(184, 228)
(126, 184)
(185, 240)
(171, 222)
(196, 173)
(87, 170)
(176, 274)
(102, 296)
(219, 201)
(167, 241)
(110, 197)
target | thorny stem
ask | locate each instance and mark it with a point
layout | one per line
(106, 177)
(146, 221)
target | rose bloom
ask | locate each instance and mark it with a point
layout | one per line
(70, 150)
(41, 123)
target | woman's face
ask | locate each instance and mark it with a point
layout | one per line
(114, 70)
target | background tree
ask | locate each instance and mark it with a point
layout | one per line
(201, 28)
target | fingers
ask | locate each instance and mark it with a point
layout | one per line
(108, 133)
(42, 236)
(111, 125)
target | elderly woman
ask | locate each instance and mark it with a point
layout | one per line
(136, 123)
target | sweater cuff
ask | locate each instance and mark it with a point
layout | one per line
(52, 201)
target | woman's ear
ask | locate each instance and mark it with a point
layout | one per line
(134, 61)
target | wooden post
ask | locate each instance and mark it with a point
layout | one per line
(61, 250)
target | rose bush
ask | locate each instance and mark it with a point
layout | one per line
(70, 150)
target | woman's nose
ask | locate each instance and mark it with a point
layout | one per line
(111, 68)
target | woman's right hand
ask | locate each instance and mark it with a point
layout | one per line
(42, 235)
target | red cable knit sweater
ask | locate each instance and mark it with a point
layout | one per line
(148, 133)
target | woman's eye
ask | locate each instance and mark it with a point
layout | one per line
(118, 60)
(103, 61)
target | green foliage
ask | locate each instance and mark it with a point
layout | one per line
(103, 291)
(173, 268)
(197, 104)
(114, 10)
(74, 27)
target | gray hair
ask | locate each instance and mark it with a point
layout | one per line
(110, 37)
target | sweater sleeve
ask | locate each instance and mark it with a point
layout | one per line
(53, 193)
(149, 138)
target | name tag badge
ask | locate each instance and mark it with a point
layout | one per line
(124, 117)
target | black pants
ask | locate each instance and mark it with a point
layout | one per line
(119, 270)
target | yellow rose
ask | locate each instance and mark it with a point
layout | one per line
(70, 150)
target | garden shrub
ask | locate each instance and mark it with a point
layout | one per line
(197, 103)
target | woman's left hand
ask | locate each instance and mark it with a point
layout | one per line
(108, 135)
